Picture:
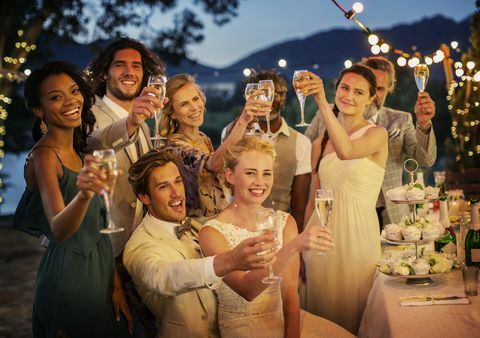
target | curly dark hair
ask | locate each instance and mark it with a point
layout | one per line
(97, 69)
(31, 93)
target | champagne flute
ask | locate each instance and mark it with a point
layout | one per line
(159, 82)
(266, 223)
(299, 77)
(421, 74)
(108, 164)
(267, 89)
(250, 89)
(323, 207)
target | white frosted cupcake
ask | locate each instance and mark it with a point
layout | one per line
(430, 231)
(431, 192)
(393, 231)
(421, 267)
(397, 194)
(411, 233)
(415, 194)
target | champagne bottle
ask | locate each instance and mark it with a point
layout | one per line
(447, 244)
(472, 240)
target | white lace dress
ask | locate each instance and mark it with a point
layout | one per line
(262, 317)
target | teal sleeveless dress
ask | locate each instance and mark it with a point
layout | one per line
(75, 278)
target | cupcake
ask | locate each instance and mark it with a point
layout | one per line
(415, 192)
(411, 233)
(393, 231)
(421, 266)
(430, 231)
(397, 194)
(431, 192)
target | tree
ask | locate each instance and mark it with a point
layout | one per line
(465, 106)
(23, 21)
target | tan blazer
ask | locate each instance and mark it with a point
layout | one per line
(111, 132)
(169, 276)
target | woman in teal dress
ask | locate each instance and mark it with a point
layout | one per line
(77, 291)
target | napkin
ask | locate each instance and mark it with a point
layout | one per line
(442, 299)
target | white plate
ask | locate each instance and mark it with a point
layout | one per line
(403, 241)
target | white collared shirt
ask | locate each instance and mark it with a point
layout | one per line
(211, 279)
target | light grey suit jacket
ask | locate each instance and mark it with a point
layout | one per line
(111, 132)
(169, 275)
(404, 141)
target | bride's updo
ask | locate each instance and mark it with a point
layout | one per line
(248, 143)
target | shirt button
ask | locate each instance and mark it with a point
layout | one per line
(133, 205)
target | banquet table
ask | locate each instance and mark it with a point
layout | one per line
(384, 317)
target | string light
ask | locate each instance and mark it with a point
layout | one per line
(11, 75)
(467, 73)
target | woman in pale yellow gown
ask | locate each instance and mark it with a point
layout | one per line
(349, 159)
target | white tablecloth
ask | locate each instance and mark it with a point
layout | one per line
(384, 317)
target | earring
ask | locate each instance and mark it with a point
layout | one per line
(271, 199)
(43, 127)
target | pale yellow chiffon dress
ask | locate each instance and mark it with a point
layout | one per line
(338, 285)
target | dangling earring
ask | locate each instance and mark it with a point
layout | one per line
(43, 126)
(271, 199)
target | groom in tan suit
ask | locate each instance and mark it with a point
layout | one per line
(163, 255)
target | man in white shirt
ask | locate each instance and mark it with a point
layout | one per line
(292, 173)
(163, 255)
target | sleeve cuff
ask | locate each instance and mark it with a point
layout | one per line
(212, 281)
(425, 130)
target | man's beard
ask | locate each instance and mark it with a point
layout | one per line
(116, 92)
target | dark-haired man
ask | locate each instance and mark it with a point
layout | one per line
(119, 76)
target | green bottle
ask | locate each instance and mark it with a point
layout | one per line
(472, 240)
(447, 244)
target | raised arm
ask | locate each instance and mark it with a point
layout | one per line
(248, 283)
(252, 107)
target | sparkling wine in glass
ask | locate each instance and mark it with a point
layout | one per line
(158, 82)
(108, 164)
(266, 224)
(250, 89)
(299, 76)
(421, 74)
(324, 207)
(267, 89)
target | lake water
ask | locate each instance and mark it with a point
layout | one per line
(13, 180)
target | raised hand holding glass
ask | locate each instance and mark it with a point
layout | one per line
(251, 89)
(158, 82)
(267, 89)
(299, 77)
(266, 223)
(108, 164)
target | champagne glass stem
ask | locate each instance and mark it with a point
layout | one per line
(269, 132)
(302, 114)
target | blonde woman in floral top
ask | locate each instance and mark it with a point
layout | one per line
(207, 195)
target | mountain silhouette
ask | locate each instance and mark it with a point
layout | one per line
(325, 52)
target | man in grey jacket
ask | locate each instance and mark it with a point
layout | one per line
(404, 139)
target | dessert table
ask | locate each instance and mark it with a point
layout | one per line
(384, 317)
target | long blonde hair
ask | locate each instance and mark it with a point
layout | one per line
(169, 125)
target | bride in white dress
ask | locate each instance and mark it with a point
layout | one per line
(246, 306)
(350, 159)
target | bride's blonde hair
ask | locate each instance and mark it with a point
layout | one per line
(248, 143)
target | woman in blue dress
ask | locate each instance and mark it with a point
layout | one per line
(77, 291)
